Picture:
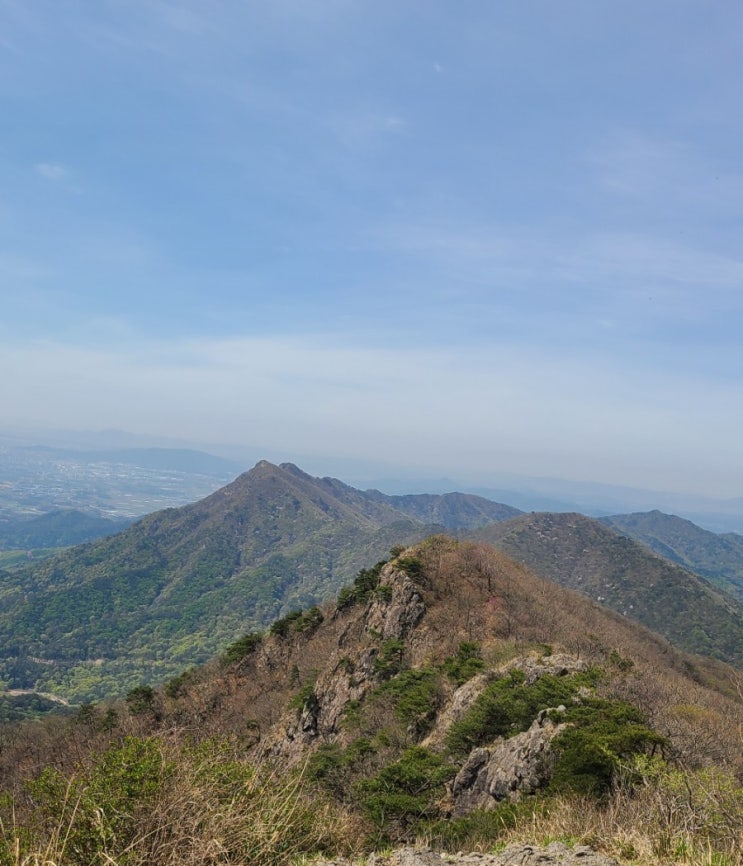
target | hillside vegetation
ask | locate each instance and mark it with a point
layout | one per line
(580, 553)
(448, 695)
(180, 584)
(719, 558)
(58, 528)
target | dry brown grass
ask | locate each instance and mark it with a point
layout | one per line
(685, 819)
(211, 808)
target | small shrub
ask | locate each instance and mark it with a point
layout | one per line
(619, 662)
(358, 751)
(383, 592)
(87, 715)
(465, 664)
(363, 587)
(326, 766)
(305, 697)
(509, 706)
(405, 792)
(602, 735)
(178, 686)
(416, 696)
(141, 699)
(309, 621)
(389, 660)
(281, 627)
(481, 828)
(241, 648)
(102, 813)
(410, 565)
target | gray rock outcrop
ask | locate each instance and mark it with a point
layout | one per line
(519, 765)
(533, 667)
(554, 854)
(558, 665)
(350, 674)
(395, 617)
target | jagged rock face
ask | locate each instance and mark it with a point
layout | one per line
(397, 617)
(350, 674)
(555, 854)
(519, 765)
(461, 701)
(505, 770)
(558, 665)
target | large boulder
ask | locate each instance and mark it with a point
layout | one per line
(509, 768)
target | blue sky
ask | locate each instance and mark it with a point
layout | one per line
(455, 239)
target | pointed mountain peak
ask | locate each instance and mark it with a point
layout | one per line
(262, 467)
(293, 469)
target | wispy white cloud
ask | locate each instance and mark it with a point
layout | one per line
(183, 18)
(668, 175)
(59, 174)
(52, 171)
(637, 278)
(361, 131)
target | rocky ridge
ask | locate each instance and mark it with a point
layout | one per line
(506, 769)
(446, 680)
(398, 629)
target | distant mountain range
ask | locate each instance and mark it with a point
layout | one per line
(111, 482)
(113, 472)
(581, 553)
(719, 558)
(177, 586)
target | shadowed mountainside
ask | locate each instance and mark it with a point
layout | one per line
(580, 553)
(716, 557)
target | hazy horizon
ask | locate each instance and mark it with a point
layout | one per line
(498, 238)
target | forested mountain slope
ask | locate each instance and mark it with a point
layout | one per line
(179, 584)
(580, 553)
(717, 557)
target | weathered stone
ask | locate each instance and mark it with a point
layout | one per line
(461, 701)
(519, 765)
(397, 617)
(349, 677)
(558, 665)
(465, 696)
(555, 854)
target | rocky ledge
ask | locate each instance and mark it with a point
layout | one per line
(555, 854)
